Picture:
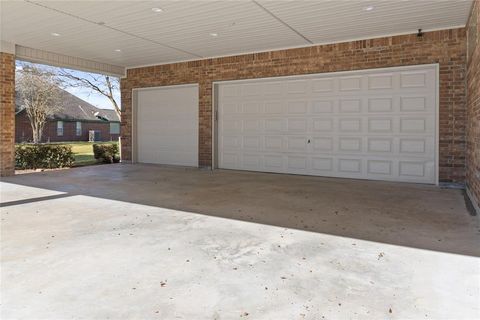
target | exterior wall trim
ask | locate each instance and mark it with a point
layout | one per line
(61, 60)
(7, 47)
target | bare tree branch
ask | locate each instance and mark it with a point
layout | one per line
(103, 85)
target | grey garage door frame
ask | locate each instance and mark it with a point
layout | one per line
(175, 131)
(412, 68)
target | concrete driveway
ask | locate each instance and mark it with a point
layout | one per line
(149, 242)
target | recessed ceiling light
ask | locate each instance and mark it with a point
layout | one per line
(118, 50)
(157, 9)
(55, 34)
(213, 34)
(369, 8)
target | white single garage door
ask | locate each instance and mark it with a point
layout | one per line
(167, 125)
(377, 124)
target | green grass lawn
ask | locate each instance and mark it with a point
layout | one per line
(83, 151)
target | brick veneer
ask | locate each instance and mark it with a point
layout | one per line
(23, 130)
(7, 114)
(473, 106)
(446, 47)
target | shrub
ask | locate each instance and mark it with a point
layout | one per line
(45, 156)
(106, 153)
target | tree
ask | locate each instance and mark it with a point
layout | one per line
(40, 96)
(101, 84)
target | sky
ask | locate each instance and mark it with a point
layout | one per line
(90, 96)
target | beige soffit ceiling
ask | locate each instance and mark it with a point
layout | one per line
(130, 33)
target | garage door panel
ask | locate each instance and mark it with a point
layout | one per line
(175, 158)
(230, 160)
(350, 106)
(252, 108)
(231, 108)
(351, 166)
(379, 145)
(167, 125)
(167, 155)
(251, 161)
(417, 125)
(422, 147)
(161, 129)
(274, 107)
(231, 125)
(380, 81)
(274, 88)
(250, 90)
(416, 79)
(380, 105)
(416, 103)
(229, 91)
(379, 167)
(252, 142)
(297, 107)
(252, 125)
(296, 144)
(368, 125)
(275, 125)
(322, 106)
(351, 83)
(297, 125)
(322, 124)
(349, 124)
(322, 164)
(350, 145)
(323, 85)
(380, 125)
(322, 144)
(274, 143)
(297, 163)
(231, 142)
(274, 162)
(298, 86)
(412, 168)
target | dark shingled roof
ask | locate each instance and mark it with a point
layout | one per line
(76, 109)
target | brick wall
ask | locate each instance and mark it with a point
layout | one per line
(446, 47)
(7, 113)
(473, 105)
(23, 130)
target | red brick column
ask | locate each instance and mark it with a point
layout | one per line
(7, 114)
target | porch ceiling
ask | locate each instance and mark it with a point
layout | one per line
(135, 33)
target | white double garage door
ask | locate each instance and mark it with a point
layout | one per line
(378, 124)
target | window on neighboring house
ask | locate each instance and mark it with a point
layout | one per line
(78, 128)
(59, 128)
(114, 128)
